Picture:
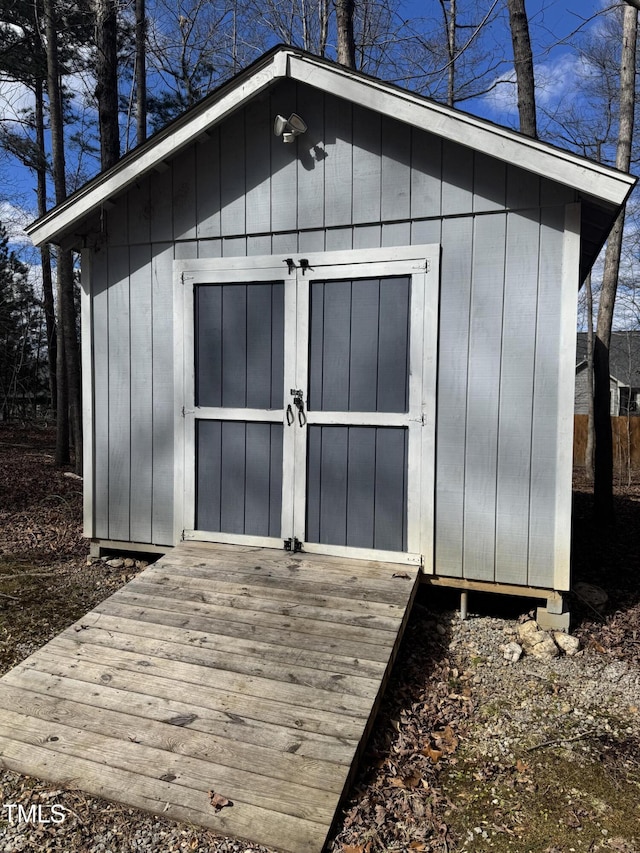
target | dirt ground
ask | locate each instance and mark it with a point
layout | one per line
(468, 753)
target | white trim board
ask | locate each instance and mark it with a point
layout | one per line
(88, 378)
(598, 181)
(421, 263)
(566, 390)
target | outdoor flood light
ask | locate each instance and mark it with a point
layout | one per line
(289, 128)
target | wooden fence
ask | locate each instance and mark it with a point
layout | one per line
(626, 441)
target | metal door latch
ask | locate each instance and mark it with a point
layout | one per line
(293, 544)
(298, 402)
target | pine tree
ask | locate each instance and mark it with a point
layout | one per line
(22, 382)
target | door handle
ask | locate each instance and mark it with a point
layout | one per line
(290, 415)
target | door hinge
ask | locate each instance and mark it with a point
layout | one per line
(293, 544)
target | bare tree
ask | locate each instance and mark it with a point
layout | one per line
(190, 49)
(45, 251)
(141, 71)
(68, 372)
(523, 63)
(449, 14)
(107, 80)
(452, 57)
(603, 483)
(344, 24)
(590, 448)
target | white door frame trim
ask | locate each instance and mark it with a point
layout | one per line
(418, 261)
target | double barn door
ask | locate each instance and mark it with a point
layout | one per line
(307, 385)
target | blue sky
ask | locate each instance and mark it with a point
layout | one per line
(553, 25)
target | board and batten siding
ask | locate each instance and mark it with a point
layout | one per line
(354, 180)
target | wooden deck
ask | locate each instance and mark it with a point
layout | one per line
(249, 672)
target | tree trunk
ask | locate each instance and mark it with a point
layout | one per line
(323, 12)
(45, 252)
(71, 352)
(603, 483)
(590, 448)
(523, 64)
(107, 80)
(67, 340)
(141, 73)
(62, 399)
(346, 42)
(451, 51)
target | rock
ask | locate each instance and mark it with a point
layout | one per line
(129, 563)
(592, 595)
(546, 649)
(512, 652)
(529, 633)
(569, 645)
(536, 642)
(116, 563)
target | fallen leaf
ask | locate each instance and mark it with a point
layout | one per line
(402, 575)
(521, 767)
(168, 777)
(348, 848)
(445, 739)
(433, 754)
(218, 801)
(412, 781)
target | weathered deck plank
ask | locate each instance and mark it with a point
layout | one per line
(241, 670)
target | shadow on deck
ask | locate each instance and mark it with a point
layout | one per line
(245, 672)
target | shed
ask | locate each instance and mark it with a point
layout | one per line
(358, 340)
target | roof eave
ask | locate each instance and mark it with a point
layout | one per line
(152, 154)
(605, 184)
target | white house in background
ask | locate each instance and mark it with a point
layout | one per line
(624, 379)
(356, 338)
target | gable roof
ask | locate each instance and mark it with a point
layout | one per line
(603, 190)
(624, 356)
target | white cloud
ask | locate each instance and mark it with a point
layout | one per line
(14, 98)
(15, 219)
(557, 81)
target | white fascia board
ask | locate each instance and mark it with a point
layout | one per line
(63, 217)
(592, 178)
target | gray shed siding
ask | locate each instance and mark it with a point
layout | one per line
(355, 180)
